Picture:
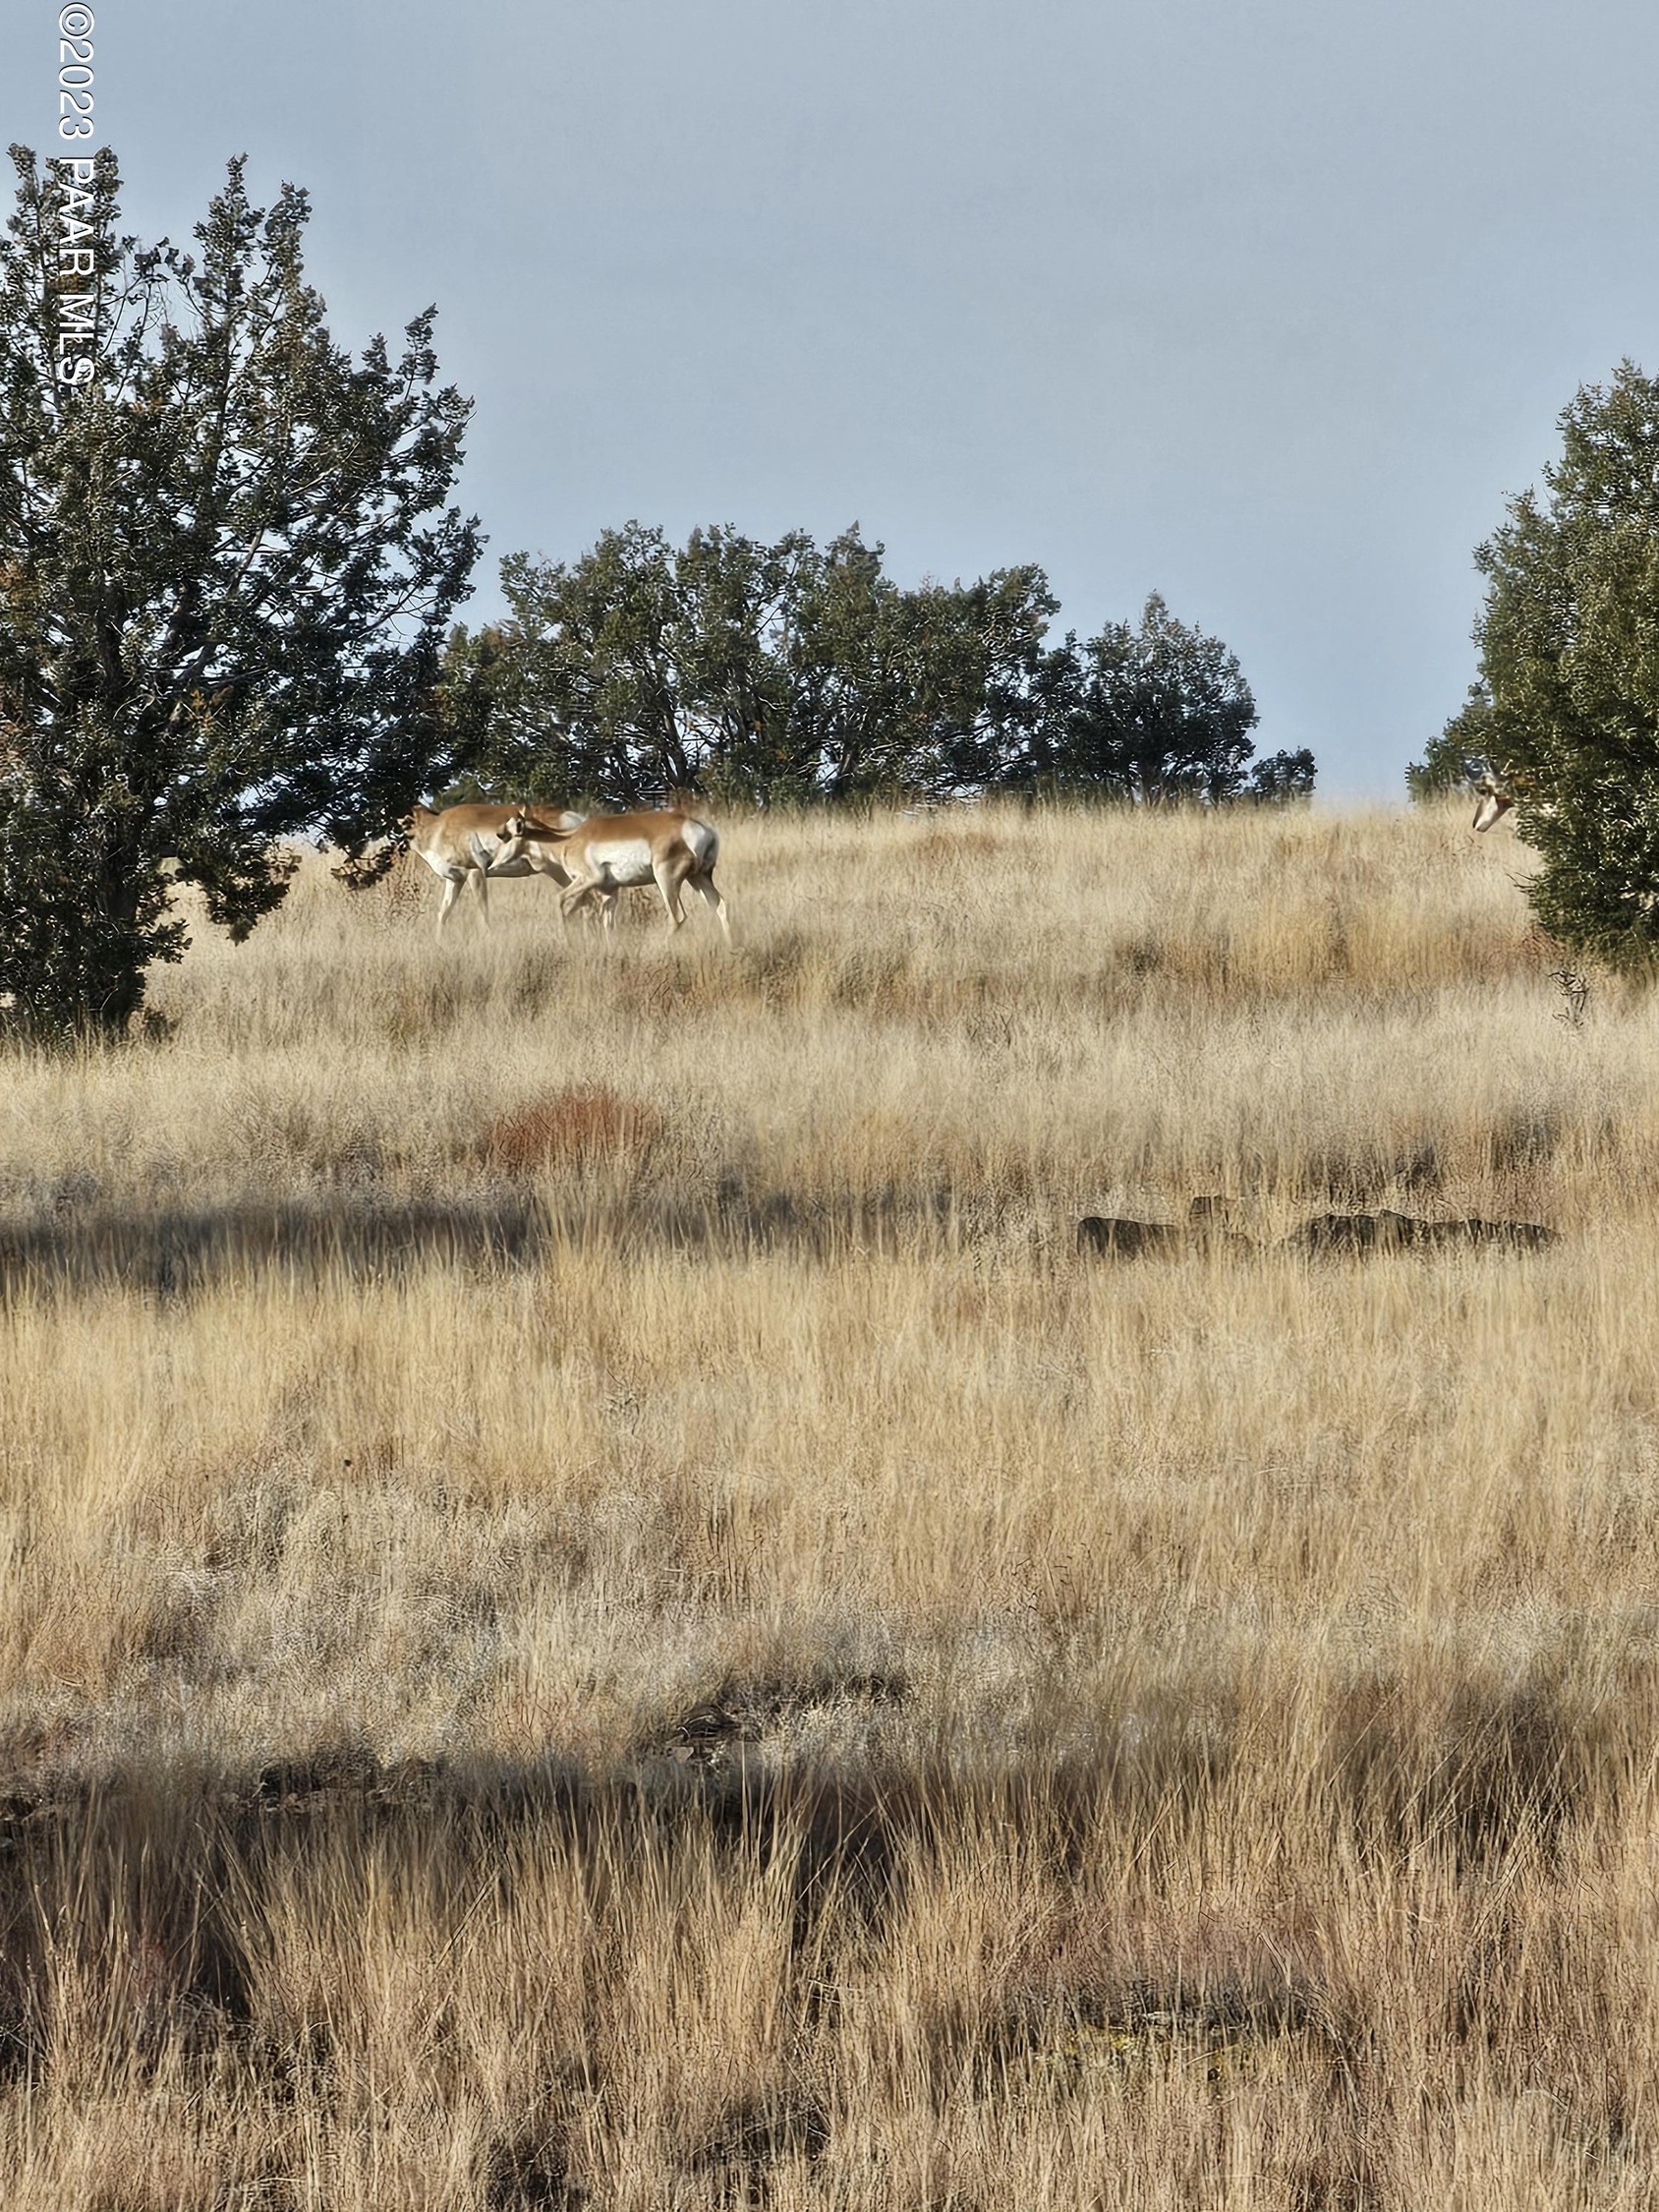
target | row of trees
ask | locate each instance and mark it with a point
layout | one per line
(791, 673)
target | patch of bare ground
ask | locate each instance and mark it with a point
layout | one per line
(600, 1608)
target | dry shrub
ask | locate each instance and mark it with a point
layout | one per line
(583, 1125)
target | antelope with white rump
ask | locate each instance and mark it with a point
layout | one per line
(610, 854)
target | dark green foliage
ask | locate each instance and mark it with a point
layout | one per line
(635, 669)
(1452, 759)
(792, 672)
(770, 672)
(926, 691)
(1281, 778)
(1157, 713)
(1570, 651)
(225, 571)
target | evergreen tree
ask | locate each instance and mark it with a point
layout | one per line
(932, 691)
(795, 671)
(226, 569)
(1569, 643)
(1281, 779)
(1158, 712)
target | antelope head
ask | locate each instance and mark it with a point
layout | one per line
(1492, 791)
(510, 837)
(521, 827)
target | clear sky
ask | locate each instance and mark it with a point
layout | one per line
(1264, 306)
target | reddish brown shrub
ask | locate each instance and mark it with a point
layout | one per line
(588, 1122)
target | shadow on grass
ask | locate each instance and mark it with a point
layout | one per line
(152, 1921)
(174, 1252)
(170, 1868)
(156, 1885)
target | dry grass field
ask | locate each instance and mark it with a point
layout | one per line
(600, 1609)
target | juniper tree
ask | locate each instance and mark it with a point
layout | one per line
(227, 564)
(1568, 644)
(637, 670)
(1161, 712)
(932, 689)
(796, 671)
(766, 672)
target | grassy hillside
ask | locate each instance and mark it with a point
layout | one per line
(600, 1609)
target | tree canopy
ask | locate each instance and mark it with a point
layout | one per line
(1159, 711)
(1569, 642)
(226, 569)
(795, 671)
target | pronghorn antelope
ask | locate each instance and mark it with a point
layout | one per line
(1493, 790)
(462, 845)
(613, 852)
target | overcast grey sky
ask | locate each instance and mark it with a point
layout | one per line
(1266, 305)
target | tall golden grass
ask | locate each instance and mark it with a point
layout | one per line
(598, 1607)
